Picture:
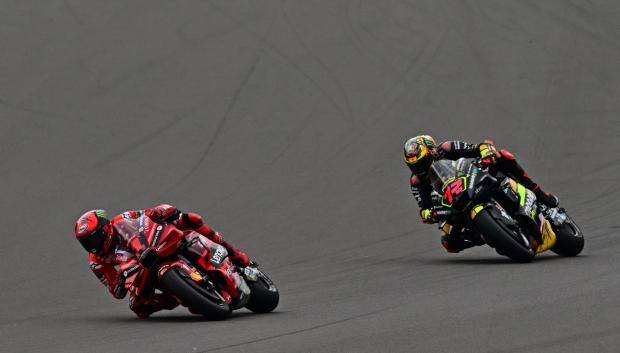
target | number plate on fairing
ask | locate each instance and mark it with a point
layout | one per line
(218, 256)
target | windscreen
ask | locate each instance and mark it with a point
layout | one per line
(127, 227)
(440, 172)
(443, 170)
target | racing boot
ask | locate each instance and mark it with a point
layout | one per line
(237, 256)
(143, 307)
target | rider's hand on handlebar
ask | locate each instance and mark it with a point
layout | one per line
(426, 215)
(488, 154)
(163, 213)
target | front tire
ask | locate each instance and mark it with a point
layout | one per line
(264, 295)
(197, 299)
(499, 236)
(570, 240)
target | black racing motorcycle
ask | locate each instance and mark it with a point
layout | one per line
(500, 212)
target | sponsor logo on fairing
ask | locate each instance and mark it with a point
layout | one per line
(195, 275)
(157, 234)
(161, 246)
(219, 255)
(130, 270)
(82, 228)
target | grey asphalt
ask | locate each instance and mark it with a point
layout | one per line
(282, 122)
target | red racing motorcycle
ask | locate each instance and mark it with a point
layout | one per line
(195, 270)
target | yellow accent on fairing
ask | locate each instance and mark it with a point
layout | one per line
(195, 275)
(475, 211)
(548, 236)
(446, 229)
(519, 190)
(513, 185)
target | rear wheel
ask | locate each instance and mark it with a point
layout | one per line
(569, 238)
(264, 295)
(502, 238)
(197, 299)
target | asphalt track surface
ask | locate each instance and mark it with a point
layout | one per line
(282, 123)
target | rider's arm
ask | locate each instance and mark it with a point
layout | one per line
(108, 276)
(421, 192)
(193, 221)
(454, 150)
(182, 220)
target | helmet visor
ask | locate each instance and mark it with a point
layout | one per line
(413, 154)
(93, 242)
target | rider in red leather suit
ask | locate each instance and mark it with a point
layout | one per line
(110, 254)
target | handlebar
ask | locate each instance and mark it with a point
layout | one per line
(441, 213)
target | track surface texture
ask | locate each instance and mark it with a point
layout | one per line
(282, 122)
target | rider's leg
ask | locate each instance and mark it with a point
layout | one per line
(144, 306)
(509, 165)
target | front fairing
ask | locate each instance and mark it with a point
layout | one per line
(451, 179)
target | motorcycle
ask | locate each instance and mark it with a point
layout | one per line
(500, 212)
(195, 270)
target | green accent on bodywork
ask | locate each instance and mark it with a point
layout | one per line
(521, 191)
(475, 211)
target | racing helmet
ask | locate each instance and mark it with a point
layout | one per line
(419, 153)
(92, 230)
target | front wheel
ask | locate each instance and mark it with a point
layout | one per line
(197, 299)
(569, 238)
(502, 238)
(264, 296)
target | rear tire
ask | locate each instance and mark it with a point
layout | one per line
(197, 299)
(262, 300)
(570, 240)
(499, 236)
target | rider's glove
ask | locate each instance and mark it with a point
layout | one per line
(163, 213)
(488, 154)
(427, 216)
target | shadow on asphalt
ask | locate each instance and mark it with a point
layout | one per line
(493, 260)
(171, 317)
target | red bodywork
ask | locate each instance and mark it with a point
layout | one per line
(201, 259)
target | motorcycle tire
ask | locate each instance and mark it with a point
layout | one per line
(262, 299)
(197, 299)
(570, 240)
(499, 236)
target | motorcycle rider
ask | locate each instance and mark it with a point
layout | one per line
(106, 242)
(420, 153)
